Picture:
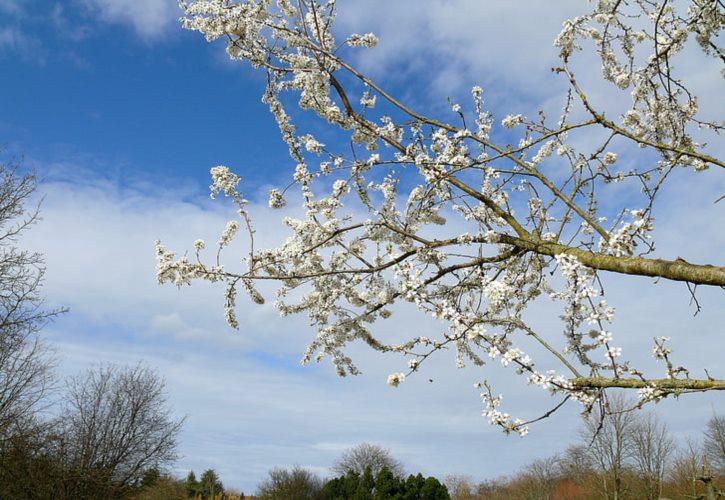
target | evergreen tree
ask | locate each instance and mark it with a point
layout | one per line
(413, 486)
(387, 486)
(384, 486)
(150, 477)
(210, 485)
(433, 490)
(191, 485)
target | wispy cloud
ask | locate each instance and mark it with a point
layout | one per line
(150, 19)
(69, 29)
(17, 42)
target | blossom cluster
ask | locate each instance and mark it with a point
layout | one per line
(467, 228)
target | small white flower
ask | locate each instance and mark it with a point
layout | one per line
(276, 199)
(650, 394)
(367, 40)
(609, 158)
(613, 352)
(512, 120)
(312, 145)
(395, 379)
(368, 100)
(522, 430)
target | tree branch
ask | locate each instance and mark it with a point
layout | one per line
(677, 270)
(665, 384)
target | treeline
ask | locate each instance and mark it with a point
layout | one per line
(166, 487)
(364, 472)
(628, 455)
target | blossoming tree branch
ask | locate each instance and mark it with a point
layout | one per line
(442, 213)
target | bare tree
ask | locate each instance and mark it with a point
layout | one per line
(117, 425)
(31, 464)
(465, 215)
(293, 484)
(715, 442)
(538, 479)
(608, 433)
(652, 448)
(460, 487)
(364, 455)
(25, 364)
(577, 464)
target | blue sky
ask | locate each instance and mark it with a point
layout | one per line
(121, 114)
(163, 104)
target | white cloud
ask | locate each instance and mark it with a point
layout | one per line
(149, 18)
(462, 43)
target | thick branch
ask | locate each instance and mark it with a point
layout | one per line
(677, 270)
(665, 384)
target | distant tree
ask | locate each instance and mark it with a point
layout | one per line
(31, 465)
(577, 464)
(538, 479)
(28, 445)
(432, 490)
(414, 485)
(607, 433)
(366, 485)
(290, 484)
(715, 442)
(652, 448)
(118, 425)
(233, 494)
(210, 485)
(388, 485)
(365, 455)
(164, 488)
(461, 487)
(191, 485)
(150, 477)
(348, 486)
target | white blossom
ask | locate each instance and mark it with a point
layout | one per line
(367, 40)
(510, 121)
(223, 180)
(229, 232)
(609, 158)
(276, 199)
(395, 379)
